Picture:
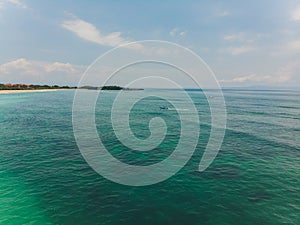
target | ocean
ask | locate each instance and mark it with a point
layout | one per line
(255, 178)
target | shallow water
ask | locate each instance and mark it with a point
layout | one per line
(255, 178)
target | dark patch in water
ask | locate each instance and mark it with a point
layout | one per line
(287, 107)
(259, 196)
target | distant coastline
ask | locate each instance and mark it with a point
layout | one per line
(26, 87)
(112, 88)
(21, 88)
(25, 91)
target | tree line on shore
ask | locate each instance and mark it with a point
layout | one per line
(39, 87)
(31, 87)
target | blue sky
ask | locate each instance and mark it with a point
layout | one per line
(245, 43)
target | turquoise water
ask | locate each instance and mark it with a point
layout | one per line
(255, 178)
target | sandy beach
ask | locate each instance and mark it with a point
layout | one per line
(25, 91)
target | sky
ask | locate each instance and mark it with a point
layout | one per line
(245, 43)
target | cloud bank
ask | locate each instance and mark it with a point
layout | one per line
(24, 70)
(282, 75)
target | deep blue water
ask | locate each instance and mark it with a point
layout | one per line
(255, 178)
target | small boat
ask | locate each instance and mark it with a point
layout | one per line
(163, 107)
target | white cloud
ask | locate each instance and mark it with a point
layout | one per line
(173, 32)
(241, 50)
(32, 72)
(295, 16)
(17, 3)
(34, 68)
(251, 77)
(243, 37)
(62, 67)
(24, 65)
(89, 32)
(232, 37)
(177, 32)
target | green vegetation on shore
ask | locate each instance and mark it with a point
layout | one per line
(102, 88)
(109, 87)
(31, 87)
(42, 87)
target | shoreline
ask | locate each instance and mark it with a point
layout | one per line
(28, 91)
